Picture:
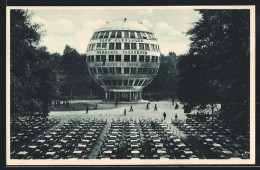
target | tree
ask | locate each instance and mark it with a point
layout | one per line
(33, 80)
(164, 82)
(216, 69)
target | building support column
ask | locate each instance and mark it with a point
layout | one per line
(106, 95)
(140, 95)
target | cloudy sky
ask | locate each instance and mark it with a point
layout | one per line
(74, 27)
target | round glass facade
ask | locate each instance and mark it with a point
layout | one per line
(123, 57)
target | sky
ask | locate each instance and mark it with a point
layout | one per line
(74, 27)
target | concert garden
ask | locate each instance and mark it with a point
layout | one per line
(123, 99)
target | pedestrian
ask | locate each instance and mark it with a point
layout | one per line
(164, 115)
(176, 116)
(176, 106)
(147, 106)
(125, 112)
(96, 106)
(87, 109)
(155, 108)
(131, 109)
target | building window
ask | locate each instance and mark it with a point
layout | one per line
(88, 58)
(141, 58)
(103, 58)
(98, 46)
(100, 70)
(105, 71)
(133, 70)
(131, 82)
(140, 82)
(126, 70)
(140, 70)
(125, 82)
(111, 46)
(126, 35)
(111, 58)
(112, 70)
(144, 35)
(133, 46)
(119, 82)
(101, 35)
(118, 70)
(94, 70)
(147, 47)
(156, 59)
(118, 57)
(145, 71)
(114, 82)
(104, 46)
(127, 46)
(118, 46)
(97, 35)
(126, 58)
(133, 58)
(92, 58)
(132, 34)
(153, 58)
(141, 46)
(139, 35)
(119, 34)
(113, 34)
(147, 58)
(152, 47)
(106, 34)
(136, 82)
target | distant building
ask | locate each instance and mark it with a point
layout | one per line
(123, 57)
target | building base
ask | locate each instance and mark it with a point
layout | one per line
(123, 96)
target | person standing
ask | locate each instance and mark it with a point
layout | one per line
(164, 115)
(125, 112)
(96, 106)
(155, 108)
(147, 106)
(176, 116)
(131, 109)
(87, 109)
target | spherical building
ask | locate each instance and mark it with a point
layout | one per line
(123, 57)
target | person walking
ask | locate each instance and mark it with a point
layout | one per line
(176, 116)
(87, 109)
(164, 115)
(155, 108)
(147, 106)
(96, 106)
(131, 109)
(125, 112)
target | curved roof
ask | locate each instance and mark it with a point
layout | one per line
(123, 24)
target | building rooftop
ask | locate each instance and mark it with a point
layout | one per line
(123, 24)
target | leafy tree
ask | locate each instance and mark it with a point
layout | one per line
(33, 79)
(216, 69)
(164, 82)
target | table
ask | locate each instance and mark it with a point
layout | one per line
(50, 153)
(107, 152)
(216, 145)
(159, 151)
(77, 152)
(32, 146)
(188, 152)
(22, 153)
(134, 152)
(156, 140)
